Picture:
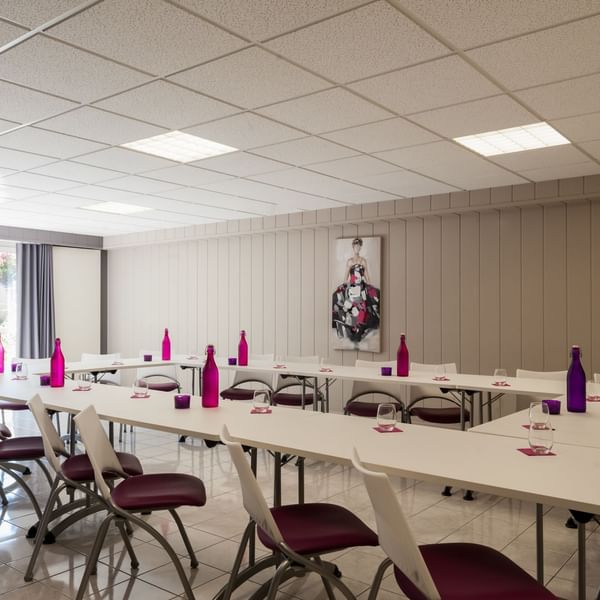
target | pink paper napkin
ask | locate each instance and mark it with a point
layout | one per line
(530, 452)
(78, 389)
(441, 379)
(260, 412)
(529, 427)
(137, 397)
(500, 384)
(325, 370)
(380, 430)
(593, 398)
(280, 367)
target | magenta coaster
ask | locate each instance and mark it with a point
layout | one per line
(501, 384)
(381, 430)
(260, 412)
(136, 397)
(593, 398)
(529, 427)
(280, 367)
(530, 452)
(325, 370)
(441, 379)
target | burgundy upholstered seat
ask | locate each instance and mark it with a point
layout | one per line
(22, 448)
(292, 399)
(474, 572)
(237, 393)
(318, 528)
(439, 415)
(362, 408)
(6, 405)
(158, 491)
(78, 468)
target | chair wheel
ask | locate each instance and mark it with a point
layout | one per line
(27, 471)
(49, 538)
(571, 523)
(447, 491)
(31, 532)
(468, 496)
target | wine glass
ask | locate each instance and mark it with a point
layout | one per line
(261, 401)
(386, 417)
(140, 389)
(85, 382)
(541, 440)
(500, 376)
(21, 371)
(539, 415)
(439, 373)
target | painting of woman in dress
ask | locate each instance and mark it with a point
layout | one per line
(356, 301)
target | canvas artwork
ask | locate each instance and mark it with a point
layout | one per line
(356, 299)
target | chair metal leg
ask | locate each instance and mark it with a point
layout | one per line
(235, 582)
(45, 471)
(237, 563)
(3, 496)
(90, 567)
(124, 535)
(300, 466)
(26, 489)
(383, 567)
(326, 584)
(185, 538)
(277, 580)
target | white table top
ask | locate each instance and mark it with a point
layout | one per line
(488, 463)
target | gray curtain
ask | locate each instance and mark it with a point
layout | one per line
(35, 300)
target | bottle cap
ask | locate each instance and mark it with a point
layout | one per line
(210, 348)
(243, 332)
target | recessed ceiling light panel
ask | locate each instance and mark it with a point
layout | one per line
(117, 208)
(179, 146)
(514, 139)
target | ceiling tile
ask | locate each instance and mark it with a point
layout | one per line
(240, 164)
(438, 83)
(151, 35)
(9, 32)
(141, 185)
(405, 183)
(39, 182)
(356, 167)
(469, 23)
(563, 171)
(305, 151)
(104, 194)
(536, 159)
(360, 43)
(499, 112)
(33, 139)
(102, 126)
(40, 63)
(262, 19)
(254, 78)
(543, 57)
(579, 129)
(34, 14)
(16, 193)
(23, 105)
(6, 125)
(383, 135)
(325, 111)
(167, 105)
(63, 201)
(448, 162)
(245, 131)
(21, 161)
(76, 172)
(187, 175)
(566, 99)
(593, 148)
(127, 161)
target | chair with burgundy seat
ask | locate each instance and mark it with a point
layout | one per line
(294, 390)
(75, 472)
(451, 571)
(161, 379)
(246, 381)
(524, 400)
(298, 534)
(366, 397)
(135, 494)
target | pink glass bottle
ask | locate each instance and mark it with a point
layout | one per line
(1, 356)
(57, 366)
(166, 346)
(210, 380)
(402, 358)
(243, 350)
(576, 383)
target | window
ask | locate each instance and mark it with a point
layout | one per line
(8, 298)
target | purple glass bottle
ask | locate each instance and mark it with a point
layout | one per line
(1, 356)
(166, 346)
(210, 380)
(243, 350)
(57, 366)
(402, 358)
(576, 383)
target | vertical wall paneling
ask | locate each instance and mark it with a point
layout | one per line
(414, 289)
(222, 296)
(432, 290)
(203, 293)
(382, 229)
(257, 327)
(235, 298)
(306, 290)
(593, 361)
(270, 291)
(212, 292)
(294, 283)
(323, 291)
(282, 269)
(451, 289)
(395, 308)
(246, 291)
(469, 293)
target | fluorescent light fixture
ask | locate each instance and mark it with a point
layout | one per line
(179, 146)
(117, 208)
(514, 139)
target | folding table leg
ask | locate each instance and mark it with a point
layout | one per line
(539, 541)
(277, 480)
(581, 572)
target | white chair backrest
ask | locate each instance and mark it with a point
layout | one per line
(254, 501)
(245, 374)
(596, 377)
(169, 370)
(360, 387)
(395, 536)
(262, 357)
(100, 358)
(52, 442)
(420, 391)
(524, 400)
(98, 448)
(309, 360)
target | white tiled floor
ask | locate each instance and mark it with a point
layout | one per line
(215, 529)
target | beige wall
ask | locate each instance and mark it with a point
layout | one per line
(509, 286)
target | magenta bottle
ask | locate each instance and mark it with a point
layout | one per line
(1, 356)
(210, 380)
(243, 350)
(166, 346)
(57, 366)
(576, 383)
(402, 358)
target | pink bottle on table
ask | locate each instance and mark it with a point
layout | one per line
(57, 366)
(402, 358)
(243, 350)
(1, 356)
(210, 380)
(166, 346)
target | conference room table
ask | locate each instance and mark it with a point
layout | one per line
(478, 461)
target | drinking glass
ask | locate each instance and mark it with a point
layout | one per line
(539, 415)
(439, 373)
(140, 389)
(500, 376)
(386, 417)
(261, 401)
(85, 382)
(21, 371)
(541, 440)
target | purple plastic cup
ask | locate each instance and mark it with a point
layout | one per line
(553, 406)
(232, 360)
(386, 371)
(182, 400)
(44, 379)
(147, 357)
